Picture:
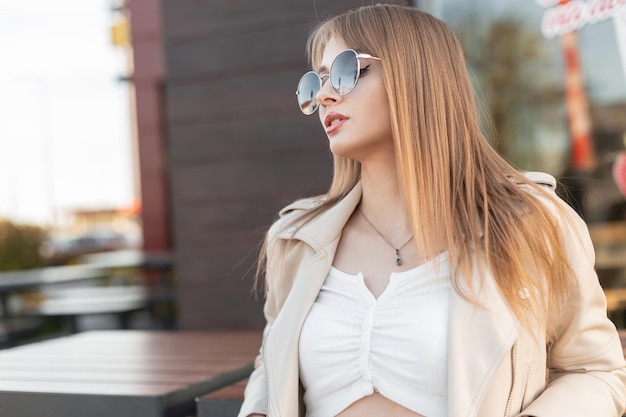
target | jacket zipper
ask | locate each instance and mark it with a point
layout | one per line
(509, 402)
(267, 379)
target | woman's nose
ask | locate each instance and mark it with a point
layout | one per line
(327, 96)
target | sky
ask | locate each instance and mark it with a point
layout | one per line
(65, 138)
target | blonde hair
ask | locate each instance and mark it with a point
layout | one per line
(459, 193)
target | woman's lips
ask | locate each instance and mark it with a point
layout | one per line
(335, 125)
(334, 121)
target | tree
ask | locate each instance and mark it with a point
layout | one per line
(19, 246)
(513, 73)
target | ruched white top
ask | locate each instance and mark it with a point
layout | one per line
(353, 344)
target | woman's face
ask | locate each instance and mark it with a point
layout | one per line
(358, 124)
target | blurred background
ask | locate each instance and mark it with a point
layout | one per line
(169, 130)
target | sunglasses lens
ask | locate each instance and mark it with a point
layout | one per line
(344, 72)
(308, 87)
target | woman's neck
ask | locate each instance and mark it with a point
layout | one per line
(382, 203)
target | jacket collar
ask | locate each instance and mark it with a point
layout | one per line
(327, 228)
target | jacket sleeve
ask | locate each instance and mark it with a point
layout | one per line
(256, 392)
(586, 365)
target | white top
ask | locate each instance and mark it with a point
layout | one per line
(353, 344)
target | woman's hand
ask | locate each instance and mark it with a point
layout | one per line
(257, 415)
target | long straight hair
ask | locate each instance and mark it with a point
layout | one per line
(458, 191)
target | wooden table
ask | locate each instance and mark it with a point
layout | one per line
(225, 402)
(122, 373)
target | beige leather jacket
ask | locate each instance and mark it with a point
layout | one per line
(495, 368)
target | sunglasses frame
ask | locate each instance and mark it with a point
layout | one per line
(320, 78)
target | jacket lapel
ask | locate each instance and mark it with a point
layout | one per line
(283, 340)
(327, 227)
(323, 235)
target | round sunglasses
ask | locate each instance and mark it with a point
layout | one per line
(344, 73)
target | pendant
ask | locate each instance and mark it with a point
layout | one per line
(398, 260)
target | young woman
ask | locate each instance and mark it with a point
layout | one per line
(432, 280)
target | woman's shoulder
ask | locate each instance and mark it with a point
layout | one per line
(301, 205)
(535, 182)
(542, 179)
(543, 187)
(569, 221)
(288, 215)
(540, 186)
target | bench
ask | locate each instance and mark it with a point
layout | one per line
(154, 270)
(74, 303)
(19, 289)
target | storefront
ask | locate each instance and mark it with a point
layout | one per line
(552, 74)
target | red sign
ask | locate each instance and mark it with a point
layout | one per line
(575, 14)
(619, 172)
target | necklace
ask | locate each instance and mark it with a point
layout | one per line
(397, 249)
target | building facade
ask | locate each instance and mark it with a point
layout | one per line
(224, 146)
